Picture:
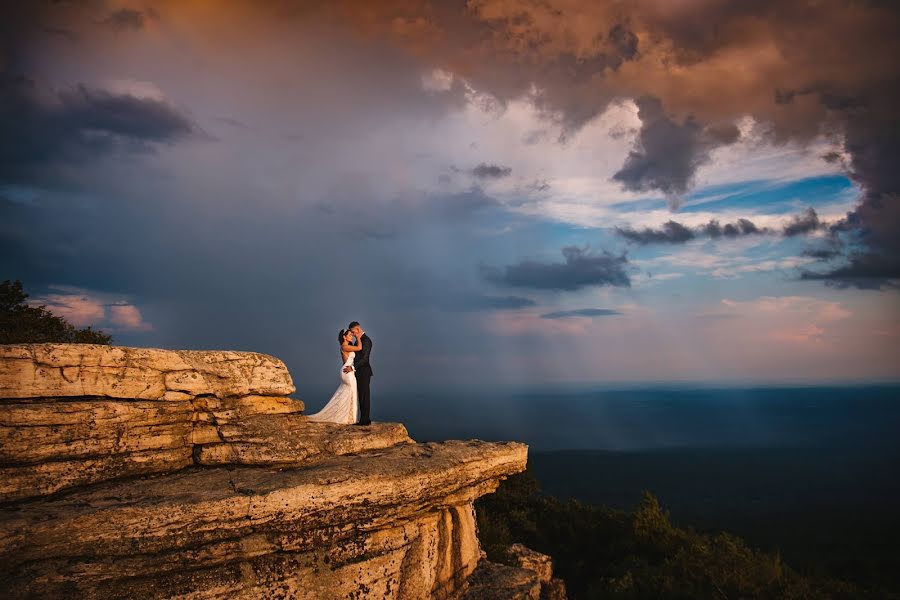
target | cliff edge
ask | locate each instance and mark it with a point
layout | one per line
(132, 472)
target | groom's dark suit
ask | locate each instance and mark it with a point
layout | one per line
(363, 375)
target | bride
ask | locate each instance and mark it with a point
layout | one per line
(343, 406)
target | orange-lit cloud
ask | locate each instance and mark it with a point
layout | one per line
(86, 308)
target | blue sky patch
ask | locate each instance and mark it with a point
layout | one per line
(774, 196)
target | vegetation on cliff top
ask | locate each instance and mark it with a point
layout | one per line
(21, 323)
(604, 553)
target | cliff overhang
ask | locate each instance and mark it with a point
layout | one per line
(134, 472)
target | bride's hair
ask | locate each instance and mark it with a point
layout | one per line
(341, 336)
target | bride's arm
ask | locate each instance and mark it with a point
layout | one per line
(348, 348)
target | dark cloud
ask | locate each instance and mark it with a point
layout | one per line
(867, 240)
(823, 252)
(574, 59)
(45, 128)
(740, 227)
(570, 58)
(670, 233)
(491, 171)
(466, 303)
(666, 153)
(873, 143)
(804, 223)
(864, 270)
(581, 268)
(673, 232)
(832, 157)
(538, 185)
(624, 41)
(581, 312)
(125, 19)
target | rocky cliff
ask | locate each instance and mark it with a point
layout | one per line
(129, 472)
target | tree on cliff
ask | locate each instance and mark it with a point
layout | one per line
(22, 324)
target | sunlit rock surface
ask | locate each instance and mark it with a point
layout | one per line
(526, 575)
(146, 473)
(40, 370)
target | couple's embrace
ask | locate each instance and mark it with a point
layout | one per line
(350, 403)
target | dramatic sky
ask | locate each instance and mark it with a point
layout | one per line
(502, 192)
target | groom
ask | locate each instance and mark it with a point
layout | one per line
(363, 372)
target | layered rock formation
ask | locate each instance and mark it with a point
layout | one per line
(75, 414)
(145, 473)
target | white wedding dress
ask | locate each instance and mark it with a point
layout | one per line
(344, 404)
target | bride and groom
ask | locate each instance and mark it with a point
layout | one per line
(350, 403)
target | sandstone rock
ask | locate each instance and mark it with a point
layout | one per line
(52, 445)
(224, 410)
(141, 473)
(493, 581)
(47, 445)
(520, 556)
(54, 442)
(52, 430)
(293, 440)
(526, 558)
(406, 511)
(64, 370)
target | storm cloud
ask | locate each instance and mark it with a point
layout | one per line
(581, 268)
(667, 153)
(673, 232)
(863, 270)
(46, 127)
(332, 202)
(670, 233)
(804, 223)
(693, 69)
(741, 227)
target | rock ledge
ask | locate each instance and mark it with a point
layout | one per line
(131, 472)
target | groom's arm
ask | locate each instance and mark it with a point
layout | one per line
(364, 354)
